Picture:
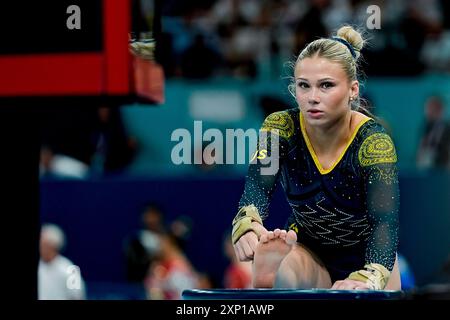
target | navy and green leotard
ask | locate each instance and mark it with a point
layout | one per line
(348, 214)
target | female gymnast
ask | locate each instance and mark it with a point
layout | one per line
(338, 170)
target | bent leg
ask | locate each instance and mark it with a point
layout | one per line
(394, 282)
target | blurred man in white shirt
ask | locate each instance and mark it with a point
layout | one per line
(58, 277)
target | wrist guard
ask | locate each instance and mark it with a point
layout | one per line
(374, 274)
(242, 222)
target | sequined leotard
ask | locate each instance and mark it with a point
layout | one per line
(348, 214)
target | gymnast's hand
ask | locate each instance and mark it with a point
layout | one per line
(246, 245)
(349, 284)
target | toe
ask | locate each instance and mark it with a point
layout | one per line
(277, 233)
(264, 238)
(291, 237)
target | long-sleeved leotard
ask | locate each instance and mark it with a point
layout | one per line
(348, 214)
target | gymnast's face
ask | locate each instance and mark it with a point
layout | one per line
(323, 90)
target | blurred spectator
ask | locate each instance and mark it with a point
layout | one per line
(311, 26)
(238, 274)
(434, 146)
(180, 229)
(171, 273)
(436, 51)
(142, 247)
(61, 166)
(250, 34)
(113, 149)
(90, 137)
(65, 132)
(58, 277)
(421, 18)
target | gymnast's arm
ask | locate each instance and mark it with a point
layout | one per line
(260, 184)
(378, 160)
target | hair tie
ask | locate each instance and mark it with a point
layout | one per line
(348, 45)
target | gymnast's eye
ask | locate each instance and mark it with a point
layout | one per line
(327, 85)
(303, 85)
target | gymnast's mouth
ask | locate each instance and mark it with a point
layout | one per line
(313, 110)
(315, 113)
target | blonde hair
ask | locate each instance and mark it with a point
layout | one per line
(340, 49)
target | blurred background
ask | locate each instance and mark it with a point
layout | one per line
(139, 226)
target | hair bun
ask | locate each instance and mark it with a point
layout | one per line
(351, 36)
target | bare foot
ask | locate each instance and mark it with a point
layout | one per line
(272, 248)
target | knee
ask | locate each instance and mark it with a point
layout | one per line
(394, 282)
